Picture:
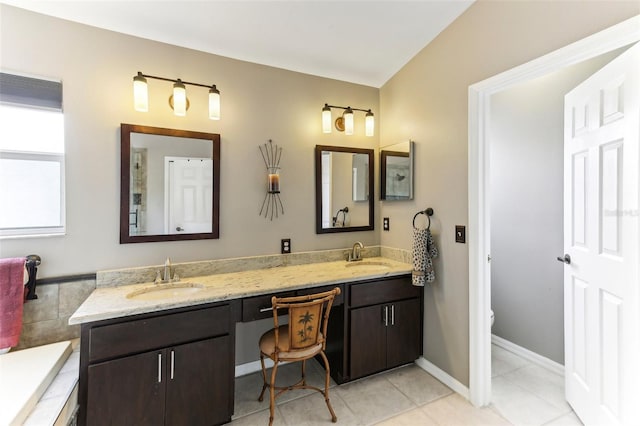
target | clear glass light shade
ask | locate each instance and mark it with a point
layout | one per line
(326, 120)
(369, 124)
(140, 93)
(348, 122)
(214, 103)
(179, 99)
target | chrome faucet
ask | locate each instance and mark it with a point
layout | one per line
(356, 254)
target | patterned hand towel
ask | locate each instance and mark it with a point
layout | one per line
(424, 251)
(11, 300)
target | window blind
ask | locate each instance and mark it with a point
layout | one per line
(20, 90)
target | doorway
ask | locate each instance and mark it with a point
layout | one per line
(480, 94)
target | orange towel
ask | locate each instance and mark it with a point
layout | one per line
(11, 300)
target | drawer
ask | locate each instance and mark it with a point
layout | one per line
(259, 307)
(385, 291)
(339, 299)
(145, 334)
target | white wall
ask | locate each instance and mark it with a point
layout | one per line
(527, 131)
(258, 103)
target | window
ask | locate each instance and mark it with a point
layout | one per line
(31, 156)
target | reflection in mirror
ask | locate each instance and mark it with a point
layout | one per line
(396, 171)
(344, 181)
(169, 184)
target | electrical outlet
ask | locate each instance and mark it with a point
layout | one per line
(460, 234)
(385, 224)
(285, 245)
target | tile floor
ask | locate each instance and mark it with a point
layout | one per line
(524, 394)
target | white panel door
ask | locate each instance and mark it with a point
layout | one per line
(601, 296)
(189, 188)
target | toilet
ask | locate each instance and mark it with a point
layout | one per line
(493, 318)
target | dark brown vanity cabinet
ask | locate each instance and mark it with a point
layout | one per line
(385, 324)
(169, 369)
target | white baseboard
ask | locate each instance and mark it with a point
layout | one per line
(443, 377)
(252, 367)
(528, 355)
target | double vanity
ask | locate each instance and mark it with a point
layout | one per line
(165, 353)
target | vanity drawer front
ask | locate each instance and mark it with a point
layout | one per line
(339, 299)
(140, 335)
(259, 307)
(383, 292)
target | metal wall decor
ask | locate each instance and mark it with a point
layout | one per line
(272, 204)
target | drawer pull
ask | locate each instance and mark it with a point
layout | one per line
(393, 315)
(270, 308)
(173, 355)
(159, 368)
(386, 316)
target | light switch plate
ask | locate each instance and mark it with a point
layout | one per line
(461, 236)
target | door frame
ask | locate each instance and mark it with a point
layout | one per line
(617, 36)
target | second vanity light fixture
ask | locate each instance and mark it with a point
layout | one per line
(178, 100)
(344, 123)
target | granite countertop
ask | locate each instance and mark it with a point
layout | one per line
(112, 302)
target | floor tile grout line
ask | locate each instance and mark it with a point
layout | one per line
(538, 396)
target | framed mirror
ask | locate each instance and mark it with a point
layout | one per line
(169, 184)
(344, 189)
(396, 171)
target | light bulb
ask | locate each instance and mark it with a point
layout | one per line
(369, 124)
(179, 99)
(214, 103)
(326, 119)
(348, 121)
(140, 93)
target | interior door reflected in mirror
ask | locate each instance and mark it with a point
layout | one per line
(396, 171)
(344, 189)
(169, 184)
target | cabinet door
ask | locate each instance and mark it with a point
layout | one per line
(199, 389)
(368, 341)
(127, 391)
(403, 332)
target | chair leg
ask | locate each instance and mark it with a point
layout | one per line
(304, 381)
(327, 379)
(272, 392)
(264, 378)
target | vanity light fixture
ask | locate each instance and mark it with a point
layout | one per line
(178, 100)
(344, 123)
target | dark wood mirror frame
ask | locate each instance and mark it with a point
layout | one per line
(318, 164)
(125, 183)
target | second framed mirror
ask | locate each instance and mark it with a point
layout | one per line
(344, 189)
(396, 171)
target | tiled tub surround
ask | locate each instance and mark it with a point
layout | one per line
(46, 319)
(112, 302)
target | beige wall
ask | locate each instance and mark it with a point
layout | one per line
(258, 103)
(426, 101)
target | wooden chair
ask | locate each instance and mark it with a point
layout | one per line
(303, 338)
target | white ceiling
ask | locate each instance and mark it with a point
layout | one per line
(359, 41)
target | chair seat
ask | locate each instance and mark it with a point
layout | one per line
(268, 344)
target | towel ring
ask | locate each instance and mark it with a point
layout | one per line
(428, 212)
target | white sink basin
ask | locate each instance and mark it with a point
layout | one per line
(165, 291)
(368, 265)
